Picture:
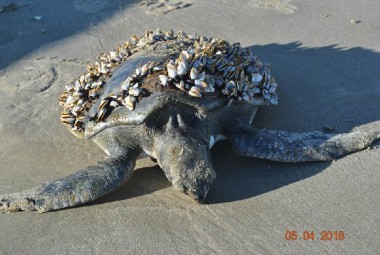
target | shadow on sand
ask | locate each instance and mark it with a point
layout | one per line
(319, 87)
(21, 33)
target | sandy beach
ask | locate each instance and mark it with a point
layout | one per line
(325, 56)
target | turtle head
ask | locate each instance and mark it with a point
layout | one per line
(191, 171)
(187, 165)
(183, 153)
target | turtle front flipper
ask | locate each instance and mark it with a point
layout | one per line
(78, 188)
(298, 146)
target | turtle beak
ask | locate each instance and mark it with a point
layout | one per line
(197, 197)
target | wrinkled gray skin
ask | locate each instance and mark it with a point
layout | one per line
(178, 131)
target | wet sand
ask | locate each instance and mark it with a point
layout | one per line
(325, 58)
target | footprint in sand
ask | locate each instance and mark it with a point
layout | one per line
(90, 6)
(157, 7)
(280, 5)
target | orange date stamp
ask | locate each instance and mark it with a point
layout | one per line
(292, 235)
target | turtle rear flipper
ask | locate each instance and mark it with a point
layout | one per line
(298, 146)
(78, 188)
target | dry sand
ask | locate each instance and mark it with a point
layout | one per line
(325, 56)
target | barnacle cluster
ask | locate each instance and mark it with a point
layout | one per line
(202, 65)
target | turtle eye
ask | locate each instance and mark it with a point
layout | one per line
(199, 199)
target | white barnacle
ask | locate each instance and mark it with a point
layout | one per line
(209, 79)
(191, 51)
(169, 34)
(112, 54)
(256, 78)
(88, 78)
(267, 72)
(68, 120)
(93, 93)
(96, 84)
(134, 39)
(129, 102)
(204, 84)
(202, 76)
(77, 85)
(69, 88)
(103, 68)
(186, 54)
(273, 100)
(81, 79)
(182, 68)
(114, 103)
(195, 91)
(265, 94)
(69, 100)
(87, 86)
(194, 74)
(230, 85)
(144, 69)
(76, 109)
(134, 91)
(192, 36)
(78, 94)
(198, 82)
(172, 70)
(112, 95)
(225, 92)
(126, 84)
(81, 102)
(181, 85)
(256, 90)
(158, 68)
(272, 88)
(150, 40)
(164, 79)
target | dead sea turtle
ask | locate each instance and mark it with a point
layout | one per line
(171, 97)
